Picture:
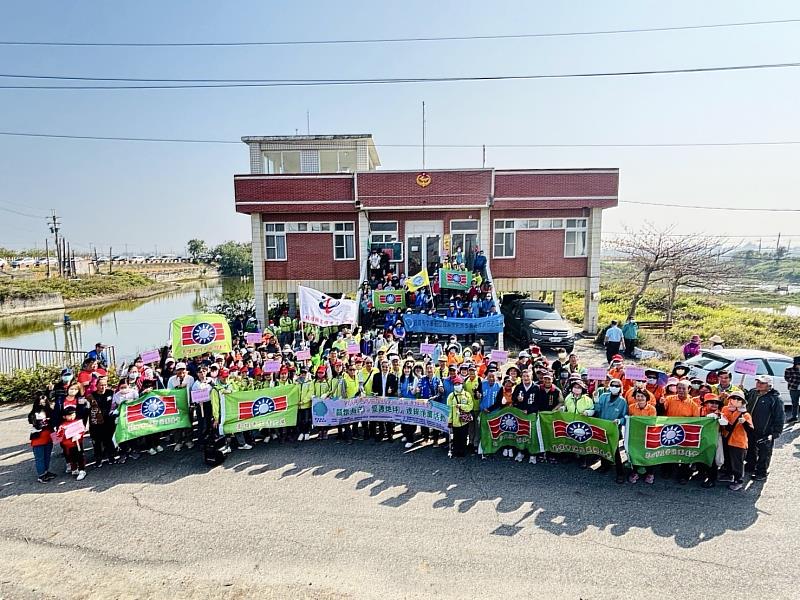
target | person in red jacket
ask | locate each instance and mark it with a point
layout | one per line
(40, 418)
(72, 442)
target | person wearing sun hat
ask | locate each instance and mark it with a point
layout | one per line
(460, 403)
(692, 347)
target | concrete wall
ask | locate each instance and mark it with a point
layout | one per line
(39, 303)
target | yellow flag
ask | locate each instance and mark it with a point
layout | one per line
(417, 281)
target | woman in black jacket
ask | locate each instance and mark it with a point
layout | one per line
(41, 420)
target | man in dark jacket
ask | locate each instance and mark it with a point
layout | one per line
(766, 407)
(384, 383)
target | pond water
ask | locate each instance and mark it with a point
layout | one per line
(131, 327)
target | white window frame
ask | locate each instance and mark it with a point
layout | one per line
(344, 233)
(338, 151)
(277, 231)
(454, 226)
(501, 226)
(392, 234)
(282, 167)
(580, 226)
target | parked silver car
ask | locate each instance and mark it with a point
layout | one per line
(767, 363)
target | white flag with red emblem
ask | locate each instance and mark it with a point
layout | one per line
(320, 309)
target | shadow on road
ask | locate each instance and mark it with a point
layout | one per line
(558, 499)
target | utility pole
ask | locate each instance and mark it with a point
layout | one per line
(110, 260)
(778, 247)
(55, 226)
(483, 164)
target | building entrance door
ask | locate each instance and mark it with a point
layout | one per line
(424, 246)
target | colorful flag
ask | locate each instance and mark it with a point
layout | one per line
(193, 335)
(658, 440)
(563, 432)
(508, 427)
(266, 408)
(455, 280)
(417, 281)
(386, 299)
(320, 309)
(155, 412)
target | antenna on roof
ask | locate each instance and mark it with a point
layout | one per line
(308, 122)
(423, 135)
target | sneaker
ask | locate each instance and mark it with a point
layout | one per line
(633, 477)
(307, 437)
(42, 479)
(189, 445)
(178, 447)
(81, 475)
(449, 454)
(274, 436)
(68, 470)
(532, 460)
(160, 448)
(759, 476)
(725, 479)
(519, 457)
(267, 439)
(736, 486)
(152, 452)
(791, 420)
(135, 455)
(707, 484)
(98, 464)
(409, 444)
(649, 478)
(301, 437)
(75, 471)
(245, 447)
(49, 476)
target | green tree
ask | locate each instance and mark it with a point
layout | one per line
(196, 248)
(234, 259)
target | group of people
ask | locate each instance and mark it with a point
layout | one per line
(462, 376)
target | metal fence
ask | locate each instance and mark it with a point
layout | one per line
(24, 358)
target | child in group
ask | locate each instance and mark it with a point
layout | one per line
(734, 425)
(72, 446)
(641, 407)
(709, 408)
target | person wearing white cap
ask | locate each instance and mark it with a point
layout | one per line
(181, 379)
(717, 343)
(765, 405)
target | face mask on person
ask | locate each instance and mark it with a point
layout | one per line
(577, 391)
(742, 409)
(651, 381)
(133, 376)
(615, 390)
(458, 388)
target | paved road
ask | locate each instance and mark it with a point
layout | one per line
(331, 520)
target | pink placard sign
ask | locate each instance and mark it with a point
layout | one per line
(597, 373)
(303, 355)
(634, 373)
(150, 356)
(201, 395)
(74, 429)
(499, 356)
(252, 338)
(353, 349)
(271, 366)
(427, 348)
(745, 367)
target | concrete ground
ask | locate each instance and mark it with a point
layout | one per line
(324, 519)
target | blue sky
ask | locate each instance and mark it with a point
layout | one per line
(148, 195)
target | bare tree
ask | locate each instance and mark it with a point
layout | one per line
(651, 251)
(701, 264)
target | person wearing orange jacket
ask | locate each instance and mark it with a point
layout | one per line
(681, 405)
(641, 407)
(735, 423)
(639, 386)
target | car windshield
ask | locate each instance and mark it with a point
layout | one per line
(709, 362)
(537, 314)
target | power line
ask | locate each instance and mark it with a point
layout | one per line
(160, 84)
(725, 236)
(379, 145)
(452, 38)
(711, 207)
(22, 214)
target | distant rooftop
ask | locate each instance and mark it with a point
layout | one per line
(305, 138)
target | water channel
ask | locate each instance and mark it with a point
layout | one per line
(131, 326)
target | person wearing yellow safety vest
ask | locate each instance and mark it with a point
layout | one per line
(460, 403)
(350, 388)
(285, 325)
(321, 388)
(365, 376)
(306, 389)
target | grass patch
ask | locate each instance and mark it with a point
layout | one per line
(71, 289)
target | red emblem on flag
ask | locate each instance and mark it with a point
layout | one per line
(674, 434)
(261, 406)
(202, 333)
(579, 431)
(152, 408)
(509, 423)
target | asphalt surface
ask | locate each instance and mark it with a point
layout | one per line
(323, 519)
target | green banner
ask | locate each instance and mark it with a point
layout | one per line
(658, 440)
(386, 299)
(155, 412)
(193, 335)
(508, 427)
(455, 280)
(564, 432)
(266, 408)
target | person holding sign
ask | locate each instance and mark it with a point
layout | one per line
(40, 419)
(181, 379)
(71, 433)
(199, 396)
(641, 407)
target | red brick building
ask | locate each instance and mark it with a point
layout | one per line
(317, 204)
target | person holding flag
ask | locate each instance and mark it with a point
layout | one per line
(641, 407)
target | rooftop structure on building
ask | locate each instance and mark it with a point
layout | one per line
(319, 203)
